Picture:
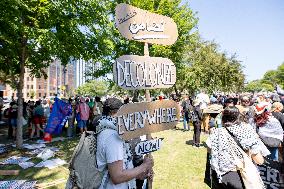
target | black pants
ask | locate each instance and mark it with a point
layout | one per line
(197, 131)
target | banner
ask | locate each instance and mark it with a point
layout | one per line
(58, 117)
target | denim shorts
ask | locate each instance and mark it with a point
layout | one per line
(14, 122)
(82, 124)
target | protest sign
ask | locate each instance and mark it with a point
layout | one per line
(132, 72)
(272, 174)
(137, 119)
(148, 146)
(141, 25)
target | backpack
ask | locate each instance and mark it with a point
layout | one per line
(84, 173)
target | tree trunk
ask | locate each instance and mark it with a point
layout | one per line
(20, 86)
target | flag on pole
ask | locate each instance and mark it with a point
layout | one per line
(58, 117)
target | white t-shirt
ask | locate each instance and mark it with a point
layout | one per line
(110, 148)
(204, 99)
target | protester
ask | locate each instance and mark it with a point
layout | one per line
(186, 108)
(38, 114)
(113, 154)
(98, 107)
(231, 142)
(46, 111)
(13, 114)
(246, 111)
(204, 99)
(196, 120)
(276, 110)
(269, 129)
(71, 118)
(84, 112)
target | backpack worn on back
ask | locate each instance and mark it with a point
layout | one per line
(84, 173)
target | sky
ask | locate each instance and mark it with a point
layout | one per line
(254, 29)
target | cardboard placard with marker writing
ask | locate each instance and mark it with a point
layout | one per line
(141, 25)
(137, 119)
(132, 72)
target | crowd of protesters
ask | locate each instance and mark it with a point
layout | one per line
(239, 126)
(37, 113)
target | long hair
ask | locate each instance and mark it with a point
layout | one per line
(230, 116)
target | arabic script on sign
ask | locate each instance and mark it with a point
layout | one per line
(137, 24)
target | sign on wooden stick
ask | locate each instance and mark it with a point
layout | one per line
(145, 147)
(137, 119)
(132, 72)
(141, 25)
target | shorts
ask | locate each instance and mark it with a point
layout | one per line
(14, 122)
(37, 120)
(82, 124)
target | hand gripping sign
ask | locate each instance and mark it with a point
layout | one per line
(132, 72)
(141, 25)
(137, 119)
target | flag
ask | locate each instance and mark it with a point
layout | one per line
(58, 117)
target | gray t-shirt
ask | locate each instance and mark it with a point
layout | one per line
(111, 148)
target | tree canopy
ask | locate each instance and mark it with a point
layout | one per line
(269, 80)
(34, 32)
(93, 88)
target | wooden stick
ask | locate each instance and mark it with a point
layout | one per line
(9, 172)
(148, 99)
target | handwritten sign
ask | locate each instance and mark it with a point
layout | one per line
(272, 174)
(148, 146)
(137, 119)
(143, 72)
(141, 25)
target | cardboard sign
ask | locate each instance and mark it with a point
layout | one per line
(148, 146)
(137, 119)
(143, 72)
(140, 25)
(272, 174)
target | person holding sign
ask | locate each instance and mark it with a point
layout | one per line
(114, 156)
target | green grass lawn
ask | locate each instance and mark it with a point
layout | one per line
(177, 164)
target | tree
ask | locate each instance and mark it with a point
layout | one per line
(257, 86)
(186, 22)
(93, 88)
(205, 67)
(269, 80)
(33, 32)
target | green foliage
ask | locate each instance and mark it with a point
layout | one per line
(93, 88)
(34, 32)
(269, 80)
(44, 29)
(206, 68)
(257, 86)
(199, 64)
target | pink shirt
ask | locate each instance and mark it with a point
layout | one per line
(84, 110)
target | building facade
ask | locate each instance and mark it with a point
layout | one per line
(84, 71)
(60, 80)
